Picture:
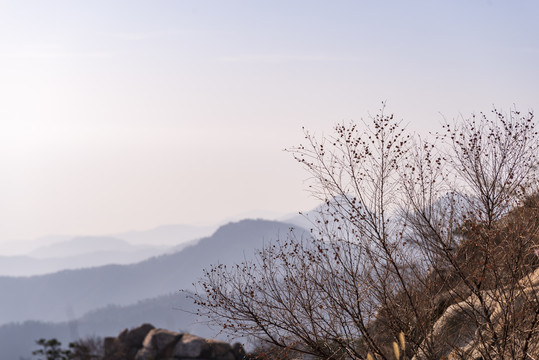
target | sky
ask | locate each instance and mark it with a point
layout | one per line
(126, 115)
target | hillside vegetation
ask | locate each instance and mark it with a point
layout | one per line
(432, 240)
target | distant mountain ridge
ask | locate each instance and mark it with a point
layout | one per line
(64, 252)
(77, 253)
(18, 339)
(81, 245)
(71, 293)
(29, 266)
(164, 235)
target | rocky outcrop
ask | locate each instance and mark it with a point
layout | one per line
(462, 330)
(148, 343)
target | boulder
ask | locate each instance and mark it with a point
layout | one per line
(191, 346)
(134, 337)
(146, 354)
(126, 345)
(219, 348)
(148, 343)
(460, 329)
(159, 343)
(160, 339)
(238, 351)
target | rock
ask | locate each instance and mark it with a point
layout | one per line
(191, 346)
(146, 354)
(136, 336)
(227, 356)
(148, 343)
(218, 348)
(127, 344)
(159, 342)
(114, 350)
(238, 351)
(459, 332)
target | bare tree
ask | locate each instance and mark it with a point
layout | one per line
(409, 229)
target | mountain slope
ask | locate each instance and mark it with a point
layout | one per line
(81, 245)
(169, 235)
(30, 266)
(173, 311)
(67, 294)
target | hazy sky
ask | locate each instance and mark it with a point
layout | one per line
(118, 115)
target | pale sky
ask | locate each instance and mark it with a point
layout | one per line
(120, 115)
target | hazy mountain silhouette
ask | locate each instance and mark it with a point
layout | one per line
(170, 235)
(77, 253)
(91, 251)
(165, 235)
(67, 294)
(82, 245)
(168, 311)
(22, 246)
(29, 266)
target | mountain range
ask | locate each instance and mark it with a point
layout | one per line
(173, 311)
(103, 300)
(76, 252)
